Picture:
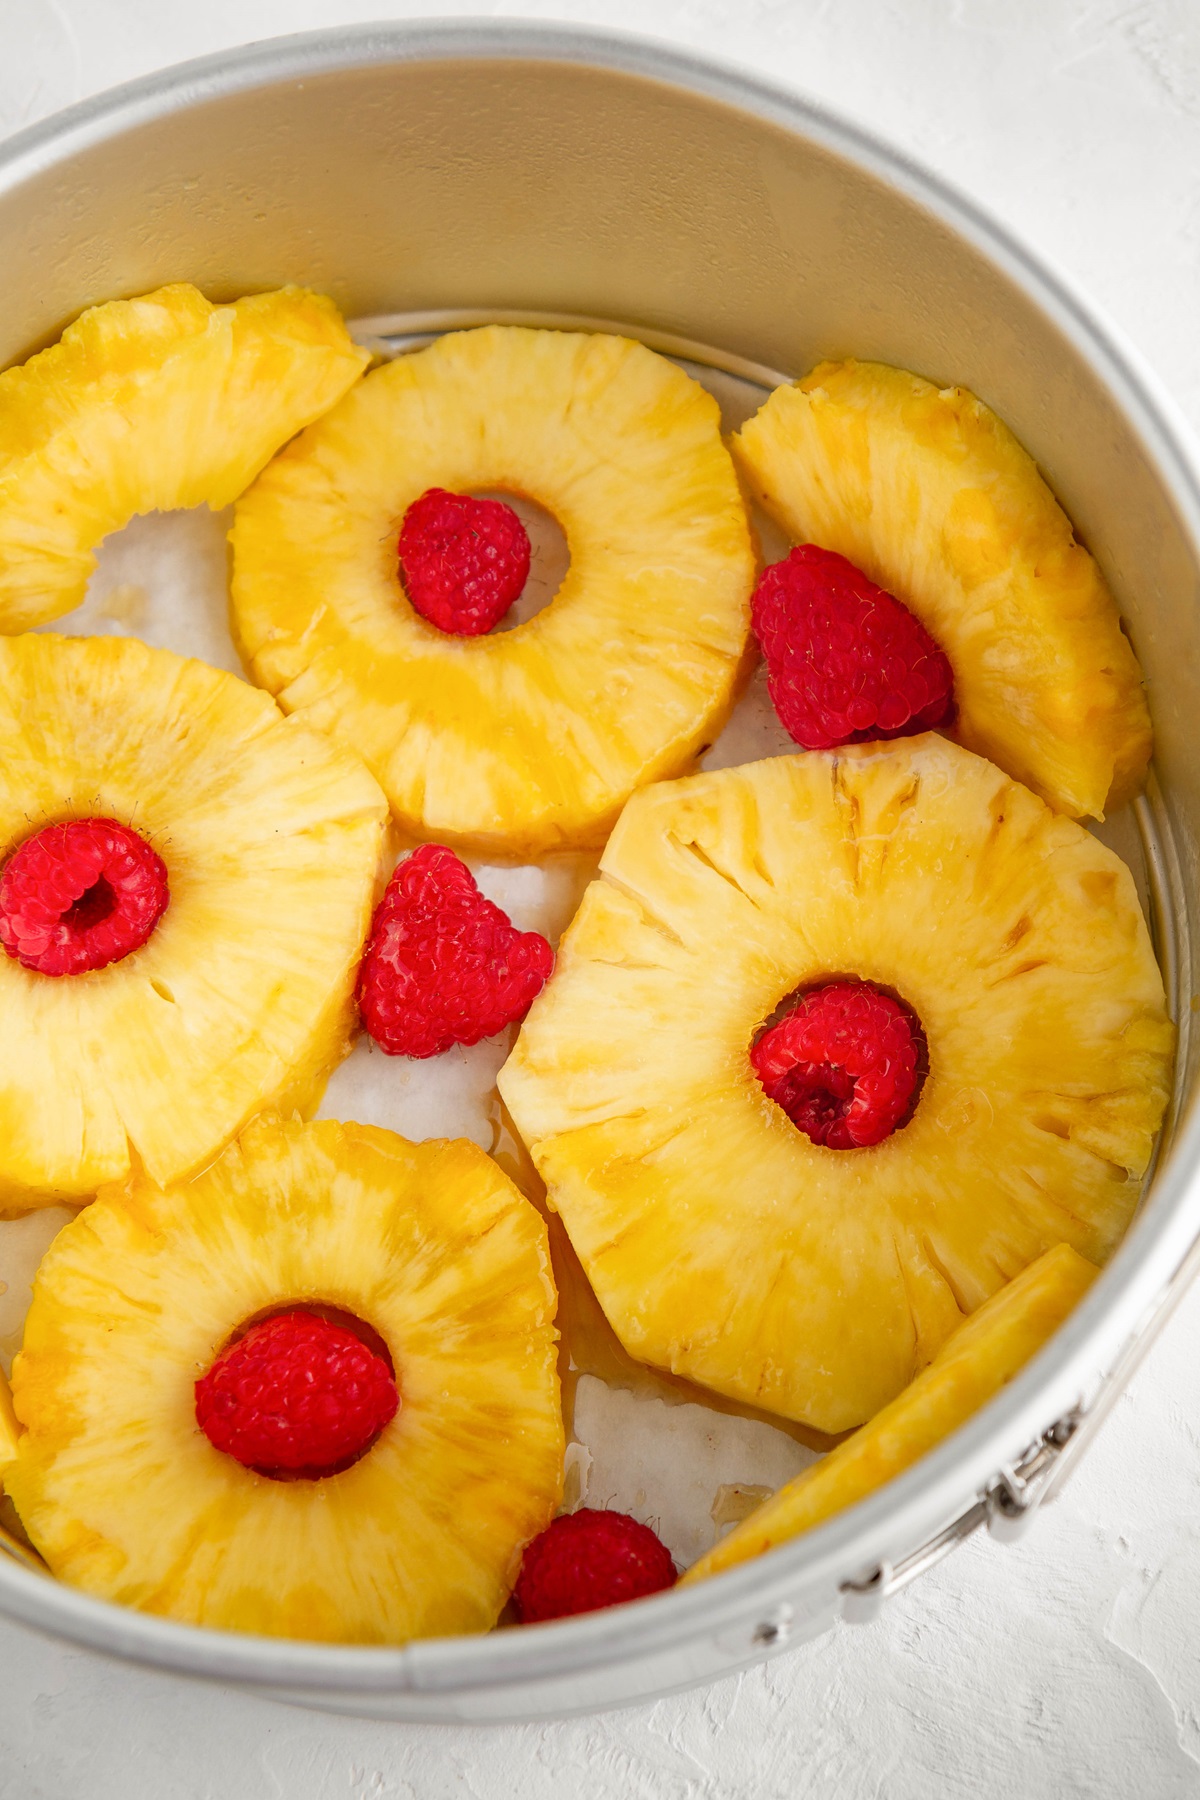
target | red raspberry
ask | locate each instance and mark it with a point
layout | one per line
(79, 896)
(443, 965)
(585, 1560)
(846, 1064)
(845, 660)
(463, 561)
(297, 1395)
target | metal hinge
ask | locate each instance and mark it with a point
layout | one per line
(1005, 1506)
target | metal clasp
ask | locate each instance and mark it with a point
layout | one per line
(1017, 1490)
(1006, 1505)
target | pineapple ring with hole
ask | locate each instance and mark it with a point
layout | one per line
(985, 1352)
(527, 740)
(931, 495)
(243, 993)
(721, 1242)
(124, 1496)
(143, 406)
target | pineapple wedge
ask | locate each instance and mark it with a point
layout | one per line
(243, 993)
(930, 495)
(521, 741)
(143, 406)
(985, 1352)
(721, 1242)
(431, 1246)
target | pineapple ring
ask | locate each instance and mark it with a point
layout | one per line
(721, 1242)
(429, 1244)
(272, 837)
(526, 740)
(931, 495)
(147, 405)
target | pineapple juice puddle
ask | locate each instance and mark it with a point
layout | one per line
(688, 1463)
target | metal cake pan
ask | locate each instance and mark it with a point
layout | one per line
(484, 169)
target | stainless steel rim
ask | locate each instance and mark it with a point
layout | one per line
(1128, 1295)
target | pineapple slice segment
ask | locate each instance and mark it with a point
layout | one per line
(427, 1243)
(10, 1430)
(525, 740)
(243, 993)
(143, 406)
(931, 495)
(721, 1242)
(985, 1352)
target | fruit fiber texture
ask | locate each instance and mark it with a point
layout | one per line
(297, 1393)
(524, 741)
(932, 497)
(79, 896)
(722, 1243)
(843, 1064)
(845, 660)
(429, 1245)
(10, 1430)
(444, 965)
(463, 561)
(243, 994)
(980, 1358)
(589, 1559)
(147, 405)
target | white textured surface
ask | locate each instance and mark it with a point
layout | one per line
(1069, 1666)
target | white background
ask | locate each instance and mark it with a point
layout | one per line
(1070, 1665)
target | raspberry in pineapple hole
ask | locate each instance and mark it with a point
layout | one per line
(846, 1063)
(78, 896)
(480, 562)
(299, 1394)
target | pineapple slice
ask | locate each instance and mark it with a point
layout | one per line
(722, 1243)
(146, 405)
(931, 496)
(431, 1246)
(10, 1430)
(525, 740)
(985, 1352)
(272, 839)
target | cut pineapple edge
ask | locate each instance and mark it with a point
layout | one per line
(10, 1430)
(147, 405)
(724, 1245)
(931, 495)
(273, 839)
(524, 741)
(432, 1247)
(984, 1354)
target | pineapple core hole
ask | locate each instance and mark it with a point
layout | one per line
(549, 556)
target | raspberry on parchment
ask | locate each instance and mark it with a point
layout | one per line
(443, 965)
(588, 1559)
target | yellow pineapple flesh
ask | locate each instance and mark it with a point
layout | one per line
(147, 405)
(272, 838)
(429, 1245)
(931, 495)
(10, 1430)
(524, 740)
(722, 1243)
(986, 1351)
